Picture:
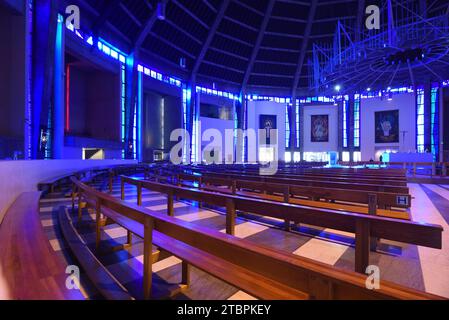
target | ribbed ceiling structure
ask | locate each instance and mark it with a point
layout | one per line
(253, 44)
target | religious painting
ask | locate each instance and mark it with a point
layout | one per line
(387, 126)
(267, 123)
(319, 128)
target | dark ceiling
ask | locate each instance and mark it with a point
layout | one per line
(255, 41)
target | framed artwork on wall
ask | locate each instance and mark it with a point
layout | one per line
(387, 126)
(267, 123)
(319, 128)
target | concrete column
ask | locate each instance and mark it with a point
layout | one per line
(59, 92)
(43, 48)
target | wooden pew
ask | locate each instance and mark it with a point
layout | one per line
(325, 177)
(379, 180)
(258, 270)
(393, 174)
(302, 181)
(313, 183)
(363, 226)
(30, 268)
(383, 199)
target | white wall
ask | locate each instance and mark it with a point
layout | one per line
(22, 176)
(406, 104)
(332, 112)
(257, 108)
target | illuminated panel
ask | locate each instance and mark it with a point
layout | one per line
(219, 93)
(122, 105)
(195, 134)
(150, 72)
(420, 120)
(434, 123)
(357, 121)
(297, 123)
(186, 95)
(287, 128)
(345, 124)
(139, 116)
(67, 99)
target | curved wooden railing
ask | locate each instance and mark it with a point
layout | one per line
(29, 267)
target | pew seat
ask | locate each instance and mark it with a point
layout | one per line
(328, 205)
(249, 281)
(29, 267)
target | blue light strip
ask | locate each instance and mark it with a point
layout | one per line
(186, 96)
(139, 116)
(217, 93)
(434, 123)
(287, 128)
(29, 58)
(420, 120)
(345, 124)
(297, 123)
(122, 105)
(357, 121)
(58, 105)
(159, 76)
(195, 134)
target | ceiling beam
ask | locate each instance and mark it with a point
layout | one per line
(230, 54)
(210, 6)
(171, 44)
(229, 37)
(256, 48)
(360, 15)
(191, 14)
(183, 31)
(304, 45)
(147, 27)
(131, 15)
(103, 17)
(210, 37)
(260, 13)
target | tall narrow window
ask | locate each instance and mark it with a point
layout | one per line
(186, 94)
(434, 123)
(287, 128)
(345, 123)
(297, 123)
(139, 116)
(420, 120)
(135, 134)
(122, 104)
(357, 121)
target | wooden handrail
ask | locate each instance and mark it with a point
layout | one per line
(319, 280)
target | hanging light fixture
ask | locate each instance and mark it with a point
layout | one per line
(161, 6)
